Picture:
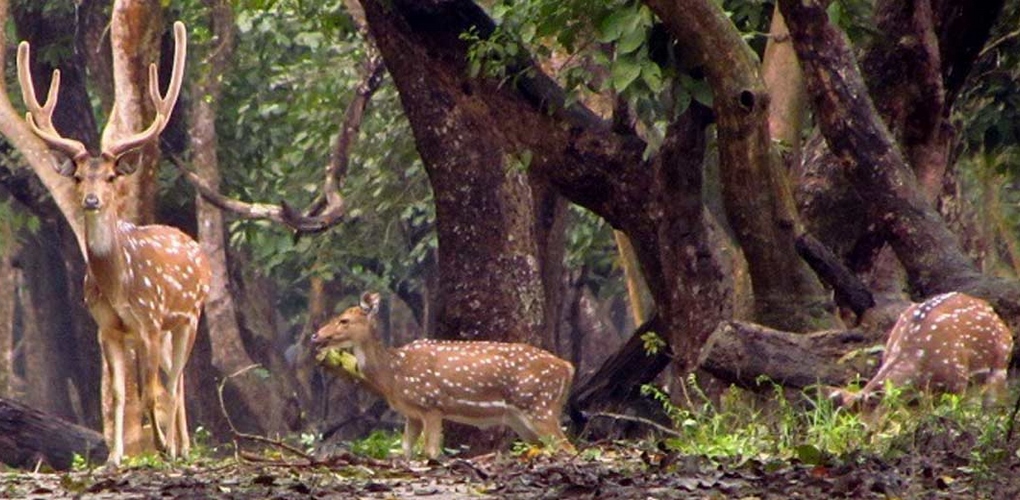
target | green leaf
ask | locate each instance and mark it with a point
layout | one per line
(810, 454)
(651, 74)
(613, 25)
(625, 71)
(631, 40)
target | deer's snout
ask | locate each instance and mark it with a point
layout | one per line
(90, 202)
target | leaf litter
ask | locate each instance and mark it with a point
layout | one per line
(938, 468)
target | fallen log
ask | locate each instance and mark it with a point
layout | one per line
(756, 357)
(29, 437)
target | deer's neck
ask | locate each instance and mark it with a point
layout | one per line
(376, 364)
(103, 249)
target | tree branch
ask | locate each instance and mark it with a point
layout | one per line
(329, 208)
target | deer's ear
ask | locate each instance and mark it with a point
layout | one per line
(370, 303)
(128, 163)
(65, 168)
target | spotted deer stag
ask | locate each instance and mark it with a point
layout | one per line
(476, 383)
(943, 345)
(144, 285)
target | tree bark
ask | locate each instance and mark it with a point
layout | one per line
(785, 83)
(29, 436)
(48, 339)
(496, 239)
(487, 233)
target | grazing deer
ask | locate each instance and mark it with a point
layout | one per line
(476, 383)
(942, 345)
(144, 284)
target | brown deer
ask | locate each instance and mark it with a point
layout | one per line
(943, 345)
(144, 284)
(476, 383)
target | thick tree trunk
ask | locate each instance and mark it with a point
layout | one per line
(914, 68)
(48, 338)
(136, 28)
(29, 436)
(756, 191)
(855, 133)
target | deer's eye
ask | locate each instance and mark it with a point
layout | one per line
(111, 178)
(344, 321)
(77, 179)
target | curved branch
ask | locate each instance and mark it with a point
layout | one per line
(329, 208)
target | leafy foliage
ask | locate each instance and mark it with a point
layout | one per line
(379, 445)
(815, 431)
(295, 68)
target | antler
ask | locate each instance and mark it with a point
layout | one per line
(40, 117)
(164, 105)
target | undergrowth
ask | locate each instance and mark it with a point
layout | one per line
(812, 429)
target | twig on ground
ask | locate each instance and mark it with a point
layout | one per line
(640, 420)
(253, 437)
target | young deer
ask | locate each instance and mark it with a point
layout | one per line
(144, 285)
(941, 345)
(475, 383)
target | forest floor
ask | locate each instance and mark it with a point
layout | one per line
(941, 464)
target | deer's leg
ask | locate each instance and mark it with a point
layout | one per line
(412, 430)
(994, 388)
(182, 341)
(433, 426)
(549, 427)
(522, 424)
(113, 360)
(150, 353)
(181, 420)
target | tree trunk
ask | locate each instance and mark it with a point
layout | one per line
(494, 257)
(136, 28)
(915, 67)
(10, 282)
(787, 100)
(757, 193)
(255, 406)
(29, 436)
(855, 133)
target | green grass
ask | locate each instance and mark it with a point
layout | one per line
(812, 429)
(379, 444)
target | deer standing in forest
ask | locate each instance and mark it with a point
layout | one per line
(144, 285)
(943, 345)
(476, 383)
